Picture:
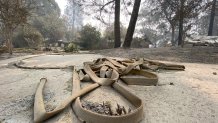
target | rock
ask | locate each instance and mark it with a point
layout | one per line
(171, 83)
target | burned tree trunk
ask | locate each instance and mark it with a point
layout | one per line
(8, 38)
(173, 36)
(117, 40)
(181, 19)
(212, 16)
(132, 24)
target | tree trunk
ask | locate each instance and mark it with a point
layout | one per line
(8, 37)
(73, 31)
(117, 40)
(173, 36)
(9, 45)
(212, 16)
(132, 24)
(181, 18)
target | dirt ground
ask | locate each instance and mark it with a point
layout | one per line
(193, 97)
(196, 54)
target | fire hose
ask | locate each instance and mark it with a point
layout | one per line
(105, 72)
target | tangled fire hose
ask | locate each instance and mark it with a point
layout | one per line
(105, 72)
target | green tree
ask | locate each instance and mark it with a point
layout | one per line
(46, 7)
(109, 32)
(27, 36)
(32, 36)
(51, 27)
(90, 37)
(101, 9)
(176, 14)
(74, 19)
(47, 20)
(182, 11)
(13, 13)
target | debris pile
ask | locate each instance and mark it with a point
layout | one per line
(105, 108)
